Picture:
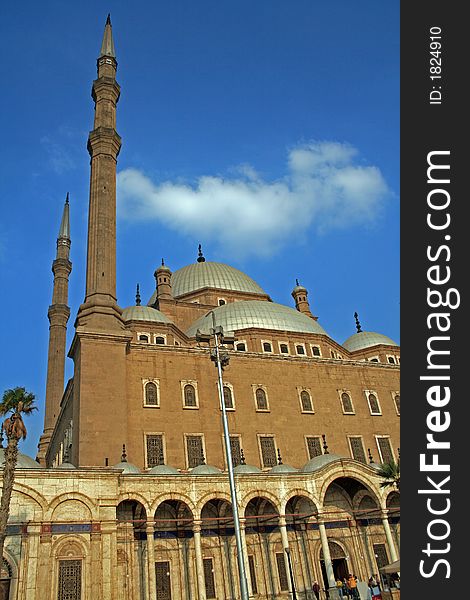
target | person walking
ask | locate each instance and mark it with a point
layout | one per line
(352, 585)
(316, 589)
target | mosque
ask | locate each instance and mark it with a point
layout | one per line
(129, 495)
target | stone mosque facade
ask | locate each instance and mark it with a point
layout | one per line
(129, 495)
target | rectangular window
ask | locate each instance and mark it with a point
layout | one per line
(195, 450)
(381, 557)
(70, 580)
(282, 572)
(314, 446)
(251, 564)
(268, 451)
(316, 351)
(209, 578)
(163, 582)
(235, 449)
(385, 449)
(357, 449)
(155, 454)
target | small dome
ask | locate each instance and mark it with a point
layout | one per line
(212, 275)
(299, 288)
(24, 461)
(163, 470)
(144, 313)
(257, 313)
(283, 469)
(163, 268)
(317, 462)
(375, 466)
(245, 469)
(205, 470)
(366, 339)
(127, 468)
(66, 466)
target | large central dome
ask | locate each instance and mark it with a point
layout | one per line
(212, 275)
(257, 313)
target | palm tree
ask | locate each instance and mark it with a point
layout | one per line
(390, 473)
(15, 403)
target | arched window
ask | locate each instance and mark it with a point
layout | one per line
(241, 347)
(397, 403)
(300, 349)
(151, 394)
(159, 340)
(228, 399)
(284, 348)
(189, 395)
(221, 302)
(306, 401)
(316, 351)
(374, 404)
(347, 403)
(144, 338)
(267, 347)
(261, 399)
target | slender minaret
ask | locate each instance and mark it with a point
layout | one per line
(58, 315)
(300, 293)
(100, 310)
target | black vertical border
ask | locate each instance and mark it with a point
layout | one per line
(425, 128)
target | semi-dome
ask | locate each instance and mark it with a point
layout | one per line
(257, 313)
(24, 461)
(367, 339)
(212, 275)
(144, 313)
(205, 470)
(246, 469)
(163, 470)
(317, 462)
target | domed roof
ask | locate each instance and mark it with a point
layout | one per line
(212, 275)
(317, 462)
(66, 466)
(24, 461)
(205, 470)
(127, 468)
(144, 313)
(257, 313)
(245, 469)
(283, 469)
(163, 470)
(366, 339)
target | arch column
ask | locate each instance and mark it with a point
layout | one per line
(151, 577)
(285, 546)
(333, 590)
(201, 583)
(388, 535)
(242, 522)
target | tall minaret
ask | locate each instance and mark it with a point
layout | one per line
(58, 315)
(100, 310)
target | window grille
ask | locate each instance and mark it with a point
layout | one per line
(306, 401)
(155, 450)
(374, 404)
(381, 557)
(314, 447)
(70, 580)
(235, 449)
(228, 399)
(347, 403)
(195, 450)
(162, 576)
(261, 399)
(357, 448)
(385, 449)
(209, 578)
(281, 569)
(189, 395)
(251, 564)
(151, 394)
(268, 451)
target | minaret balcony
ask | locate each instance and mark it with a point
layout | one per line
(106, 88)
(104, 140)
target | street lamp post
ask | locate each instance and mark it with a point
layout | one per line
(220, 357)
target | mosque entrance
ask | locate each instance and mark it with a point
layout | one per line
(339, 562)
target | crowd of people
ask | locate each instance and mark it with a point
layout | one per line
(348, 588)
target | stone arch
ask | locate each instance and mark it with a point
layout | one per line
(364, 504)
(176, 496)
(173, 518)
(339, 473)
(243, 503)
(69, 548)
(297, 492)
(132, 512)
(215, 494)
(137, 498)
(217, 516)
(71, 509)
(32, 493)
(84, 500)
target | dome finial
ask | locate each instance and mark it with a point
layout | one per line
(242, 457)
(163, 263)
(137, 296)
(279, 459)
(325, 445)
(200, 257)
(297, 282)
(358, 325)
(124, 455)
(369, 454)
(203, 458)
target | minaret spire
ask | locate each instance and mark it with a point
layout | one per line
(58, 315)
(100, 310)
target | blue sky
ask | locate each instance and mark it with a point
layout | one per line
(268, 131)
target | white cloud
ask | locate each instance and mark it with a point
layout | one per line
(323, 189)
